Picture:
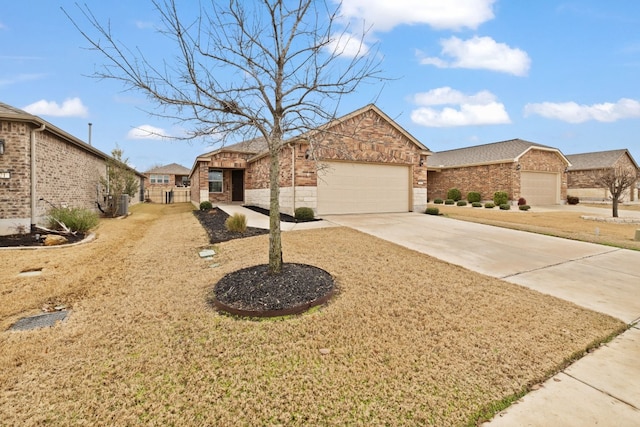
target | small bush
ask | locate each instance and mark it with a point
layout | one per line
(489, 205)
(522, 201)
(500, 197)
(449, 202)
(438, 201)
(237, 223)
(573, 200)
(454, 194)
(461, 203)
(304, 214)
(432, 211)
(76, 219)
(524, 207)
(206, 205)
(476, 204)
(505, 206)
(474, 196)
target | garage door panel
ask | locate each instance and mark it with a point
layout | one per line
(540, 188)
(362, 188)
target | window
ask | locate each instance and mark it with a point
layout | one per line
(159, 179)
(215, 181)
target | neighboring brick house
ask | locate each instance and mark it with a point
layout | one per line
(63, 172)
(360, 163)
(167, 184)
(167, 176)
(586, 167)
(521, 168)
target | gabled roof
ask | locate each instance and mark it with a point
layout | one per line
(171, 169)
(598, 159)
(7, 112)
(369, 107)
(496, 152)
(258, 146)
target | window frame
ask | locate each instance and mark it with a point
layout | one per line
(221, 180)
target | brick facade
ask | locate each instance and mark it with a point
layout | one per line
(489, 178)
(484, 179)
(365, 136)
(67, 174)
(581, 183)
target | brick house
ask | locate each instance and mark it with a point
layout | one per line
(586, 167)
(521, 168)
(360, 163)
(42, 165)
(170, 179)
(172, 175)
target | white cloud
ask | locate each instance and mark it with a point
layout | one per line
(572, 112)
(348, 45)
(71, 107)
(147, 132)
(446, 95)
(481, 108)
(384, 15)
(481, 53)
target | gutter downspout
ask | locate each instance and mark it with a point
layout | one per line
(34, 204)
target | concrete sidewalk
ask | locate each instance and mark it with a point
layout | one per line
(603, 388)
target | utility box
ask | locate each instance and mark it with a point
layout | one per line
(123, 207)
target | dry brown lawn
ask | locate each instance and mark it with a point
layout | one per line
(565, 224)
(408, 340)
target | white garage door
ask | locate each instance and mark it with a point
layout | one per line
(362, 188)
(540, 188)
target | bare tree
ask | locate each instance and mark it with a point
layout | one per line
(120, 180)
(267, 68)
(617, 181)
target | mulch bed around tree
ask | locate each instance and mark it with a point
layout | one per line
(30, 240)
(253, 291)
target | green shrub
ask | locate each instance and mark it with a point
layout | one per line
(438, 201)
(206, 205)
(454, 194)
(573, 200)
(505, 206)
(461, 203)
(489, 205)
(449, 202)
(522, 201)
(304, 214)
(524, 207)
(76, 219)
(474, 196)
(476, 204)
(237, 222)
(500, 198)
(432, 211)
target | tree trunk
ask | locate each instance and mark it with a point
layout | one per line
(615, 207)
(275, 242)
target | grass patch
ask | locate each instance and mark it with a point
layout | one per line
(411, 340)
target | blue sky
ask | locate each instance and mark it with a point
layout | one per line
(464, 72)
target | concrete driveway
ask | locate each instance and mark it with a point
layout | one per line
(603, 388)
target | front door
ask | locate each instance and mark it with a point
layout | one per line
(237, 186)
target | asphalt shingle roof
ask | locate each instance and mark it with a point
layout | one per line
(496, 152)
(596, 160)
(171, 169)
